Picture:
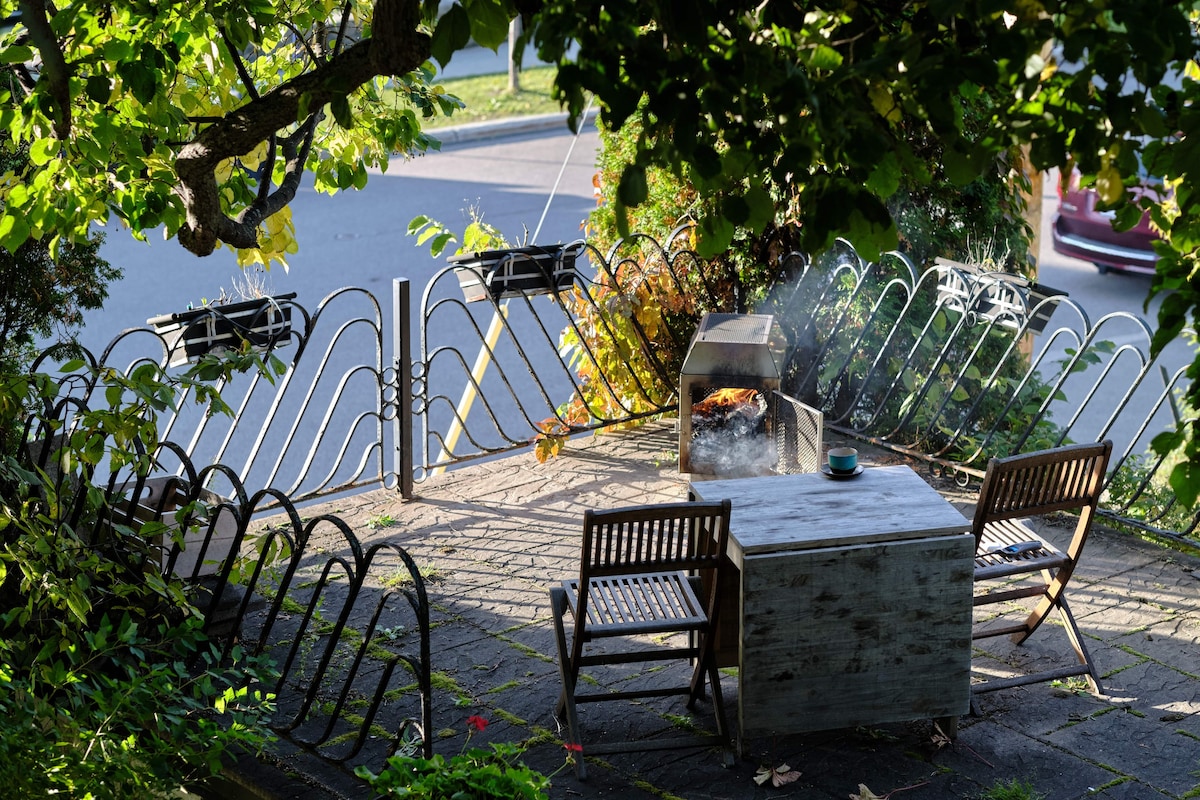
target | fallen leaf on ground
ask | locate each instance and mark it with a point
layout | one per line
(780, 776)
(864, 794)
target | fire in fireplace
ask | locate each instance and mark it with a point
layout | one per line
(725, 400)
(731, 435)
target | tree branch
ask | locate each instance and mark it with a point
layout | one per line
(55, 72)
(396, 47)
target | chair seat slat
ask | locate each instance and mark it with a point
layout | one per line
(651, 602)
(1002, 533)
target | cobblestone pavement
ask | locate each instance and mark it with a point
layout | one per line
(495, 535)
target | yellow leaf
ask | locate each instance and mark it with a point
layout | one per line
(865, 794)
(884, 102)
(1109, 185)
(546, 448)
(256, 156)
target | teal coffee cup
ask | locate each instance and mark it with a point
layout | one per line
(843, 459)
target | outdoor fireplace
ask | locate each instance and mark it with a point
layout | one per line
(727, 392)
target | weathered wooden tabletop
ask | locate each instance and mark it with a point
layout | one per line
(778, 513)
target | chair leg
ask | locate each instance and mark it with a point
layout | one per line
(706, 667)
(1077, 642)
(1055, 598)
(1051, 595)
(698, 669)
(570, 675)
(714, 678)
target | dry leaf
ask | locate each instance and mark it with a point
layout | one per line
(865, 794)
(939, 739)
(780, 776)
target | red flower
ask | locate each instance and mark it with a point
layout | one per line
(477, 722)
(573, 748)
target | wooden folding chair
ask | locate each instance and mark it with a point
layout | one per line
(1068, 478)
(641, 576)
(798, 432)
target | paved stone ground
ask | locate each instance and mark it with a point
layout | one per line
(494, 536)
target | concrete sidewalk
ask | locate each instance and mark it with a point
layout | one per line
(495, 535)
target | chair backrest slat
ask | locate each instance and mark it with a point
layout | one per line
(661, 537)
(1068, 478)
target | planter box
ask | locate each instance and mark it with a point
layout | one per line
(264, 322)
(160, 499)
(1008, 299)
(516, 272)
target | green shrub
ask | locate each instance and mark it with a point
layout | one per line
(477, 773)
(109, 687)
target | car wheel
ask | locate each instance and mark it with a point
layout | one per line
(1104, 268)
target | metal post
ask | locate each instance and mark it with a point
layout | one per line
(402, 423)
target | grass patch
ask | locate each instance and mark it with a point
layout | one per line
(429, 573)
(1013, 790)
(487, 98)
(381, 521)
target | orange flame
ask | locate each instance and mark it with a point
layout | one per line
(724, 398)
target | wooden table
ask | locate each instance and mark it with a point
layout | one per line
(853, 600)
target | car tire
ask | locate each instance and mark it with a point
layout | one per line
(1104, 268)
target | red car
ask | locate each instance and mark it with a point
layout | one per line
(1081, 231)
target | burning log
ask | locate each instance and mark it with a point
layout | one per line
(741, 412)
(729, 433)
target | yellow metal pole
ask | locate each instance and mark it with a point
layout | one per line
(468, 398)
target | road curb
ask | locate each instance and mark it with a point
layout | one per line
(513, 126)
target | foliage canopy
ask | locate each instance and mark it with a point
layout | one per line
(202, 117)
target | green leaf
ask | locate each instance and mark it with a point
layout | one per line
(706, 162)
(17, 54)
(98, 88)
(42, 151)
(716, 236)
(885, 177)
(824, 57)
(440, 242)
(735, 209)
(139, 79)
(13, 232)
(117, 50)
(633, 189)
(340, 109)
(302, 106)
(489, 22)
(761, 206)
(452, 33)
(961, 169)
(1185, 482)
